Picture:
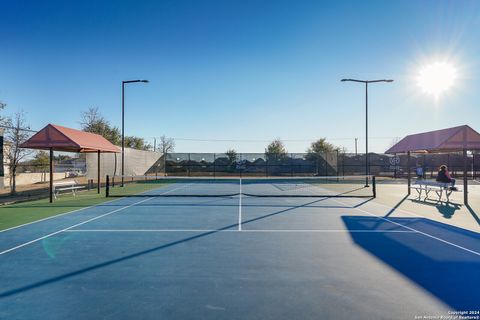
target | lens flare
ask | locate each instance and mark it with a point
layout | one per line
(437, 78)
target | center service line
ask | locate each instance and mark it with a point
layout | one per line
(240, 207)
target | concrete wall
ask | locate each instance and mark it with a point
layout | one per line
(137, 162)
(32, 177)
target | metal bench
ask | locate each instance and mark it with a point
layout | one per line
(66, 186)
(427, 186)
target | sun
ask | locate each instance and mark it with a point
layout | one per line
(437, 78)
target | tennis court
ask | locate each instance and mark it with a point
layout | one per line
(238, 256)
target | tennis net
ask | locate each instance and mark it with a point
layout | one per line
(312, 186)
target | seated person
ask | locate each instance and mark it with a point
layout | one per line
(444, 176)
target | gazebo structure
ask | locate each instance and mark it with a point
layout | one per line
(456, 139)
(58, 138)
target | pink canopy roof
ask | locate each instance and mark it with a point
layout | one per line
(66, 139)
(451, 139)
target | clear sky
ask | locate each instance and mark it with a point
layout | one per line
(241, 70)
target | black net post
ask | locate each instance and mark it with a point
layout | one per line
(408, 172)
(107, 186)
(374, 186)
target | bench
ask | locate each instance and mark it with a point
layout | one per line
(428, 186)
(66, 186)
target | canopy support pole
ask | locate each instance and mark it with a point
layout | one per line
(408, 173)
(98, 172)
(465, 178)
(51, 176)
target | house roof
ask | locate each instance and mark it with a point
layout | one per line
(70, 140)
(450, 139)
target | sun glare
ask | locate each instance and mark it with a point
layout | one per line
(436, 78)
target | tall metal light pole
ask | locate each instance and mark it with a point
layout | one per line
(367, 165)
(123, 123)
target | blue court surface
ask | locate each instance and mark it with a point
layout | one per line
(237, 258)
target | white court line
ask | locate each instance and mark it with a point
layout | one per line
(236, 230)
(69, 212)
(68, 228)
(79, 224)
(240, 207)
(414, 230)
(59, 215)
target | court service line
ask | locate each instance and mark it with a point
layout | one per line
(59, 215)
(243, 230)
(69, 212)
(240, 207)
(415, 230)
(68, 228)
(81, 223)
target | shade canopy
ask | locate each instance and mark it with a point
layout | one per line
(444, 140)
(61, 138)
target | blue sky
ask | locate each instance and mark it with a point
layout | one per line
(241, 70)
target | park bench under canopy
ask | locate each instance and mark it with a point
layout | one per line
(455, 139)
(57, 138)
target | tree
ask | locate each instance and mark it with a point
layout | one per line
(276, 150)
(41, 160)
(166, 145)
(321, 146)
(232, 156)
(92, 121)
(16, 134)
(137, 143)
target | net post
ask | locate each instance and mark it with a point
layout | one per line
(107, 186)
(408, 173)
(374, 186)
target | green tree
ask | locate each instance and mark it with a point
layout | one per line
(232, 156)
(92, 121)
(137, 143)
(321, 146)
(276, 150)
(41, 160)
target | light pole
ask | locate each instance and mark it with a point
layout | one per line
(367, 171)
(123, 123)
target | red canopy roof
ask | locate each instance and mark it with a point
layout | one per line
(450, 139)
(66, 139)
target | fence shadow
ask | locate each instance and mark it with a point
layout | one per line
(442, 259)
(68, 275)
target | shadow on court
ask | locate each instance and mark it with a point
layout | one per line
(446, 209)
(442, 259)
(151, 250)
(473, 213)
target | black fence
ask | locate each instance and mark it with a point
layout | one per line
(303, 164)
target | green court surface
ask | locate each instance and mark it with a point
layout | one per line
(29, 211)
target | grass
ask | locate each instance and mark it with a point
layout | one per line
(25, 212)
